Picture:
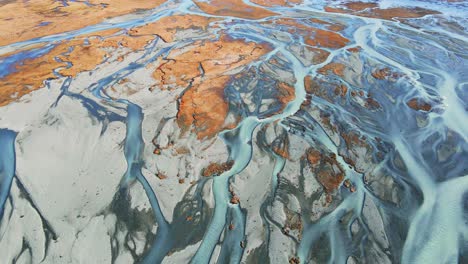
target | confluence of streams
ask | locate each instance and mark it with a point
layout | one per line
(429, 224)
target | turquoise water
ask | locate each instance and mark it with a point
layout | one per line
(429, 223)
(7, 165)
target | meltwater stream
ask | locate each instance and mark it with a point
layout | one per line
(407, 168)
(7, 165)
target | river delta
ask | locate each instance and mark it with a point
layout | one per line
(233, 131)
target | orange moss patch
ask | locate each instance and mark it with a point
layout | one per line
(315, 36)
(203, 106)
(328, 39)
(385, 74)
(161, 175)
(326, 168)
(314, 156)
(353, 139)
(281, 146)
(235, 8)
(371, 10)
(286, 94)
(21, 19)
(419, 105)
(310, 85)
(235, 199)
(211, 57)
(280, 143)
(320, 55)
(359, 6)
(271, 3)
(354, 50)
(217, 168)
(133, 43)
(323, 88)
(28, 77)
(335, 67)
(31, 74)
(381, 73)
(371, 103)
(167, 27)
(329, 181)
(282, 151)
(341, 90)
(403, 13)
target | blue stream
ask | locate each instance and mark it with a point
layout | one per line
(7, 165)
(7, 64)
(133, 151)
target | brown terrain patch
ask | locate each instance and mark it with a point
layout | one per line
(204, 108)
(234, 199)
(294, 260)
(31, 73)
(419, 105)
(314, 36)
(326, 169)
(235, 8)
(202, 65)
(359, 6)
(373, 11)
(310, 85)
(358, 150)
(285, 94)
(386, 74)
(20, 20)
(281, 145)
(335, 67)
(341, 90)
(327, 39)
(371, 103)
(323, 88)
(217, 168)
(271, 3)
(353, 139)
(207, 58)
(329, 182)
(314, 156)
(400, 12)
(381, 74)
(320, 55)
(354, 50)
(330, 25)
(282, 151)
(167, 27)
(161, 175)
